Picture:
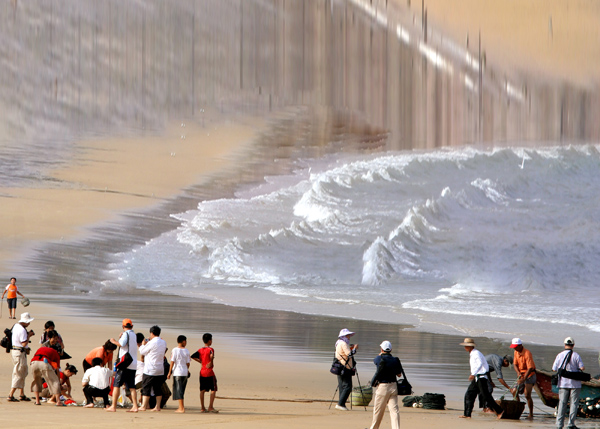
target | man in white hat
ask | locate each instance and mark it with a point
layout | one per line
(479, 381)
(386, 389)
(525, 369)
(344, 352)
(19, 352)
(568, 388)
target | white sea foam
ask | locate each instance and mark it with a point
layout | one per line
(454, 233)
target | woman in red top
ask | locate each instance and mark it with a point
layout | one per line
(45, 364)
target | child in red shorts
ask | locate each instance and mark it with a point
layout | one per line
(208, 380)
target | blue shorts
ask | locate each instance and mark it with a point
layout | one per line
(12, 302)
(125, 377)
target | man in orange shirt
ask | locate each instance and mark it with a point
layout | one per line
(525, 368)
(11, 298)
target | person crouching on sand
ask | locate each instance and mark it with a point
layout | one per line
(479, 381)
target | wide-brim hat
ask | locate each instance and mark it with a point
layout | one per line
(26, 318)
(468, 342)
(345, 333)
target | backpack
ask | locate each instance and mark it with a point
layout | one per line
(6, 342)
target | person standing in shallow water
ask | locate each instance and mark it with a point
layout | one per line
(11, 299)
(344, 352)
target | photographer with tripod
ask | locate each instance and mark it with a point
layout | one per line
(344, 352)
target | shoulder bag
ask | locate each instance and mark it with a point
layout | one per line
(125, 360)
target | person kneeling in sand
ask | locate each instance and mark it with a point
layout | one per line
(479, 381)
(96, 383)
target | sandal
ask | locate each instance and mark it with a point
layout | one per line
(24, 398)
(12, 399)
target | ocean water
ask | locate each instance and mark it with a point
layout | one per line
(496, 243)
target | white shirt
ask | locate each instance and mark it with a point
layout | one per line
(479, 365)
(130, 347)
(19, 335)
(574, 365)
(154, 352)
(180, 357)
(97, 377)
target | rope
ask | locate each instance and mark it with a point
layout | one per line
(307, 401)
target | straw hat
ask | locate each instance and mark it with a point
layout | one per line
(468, 342)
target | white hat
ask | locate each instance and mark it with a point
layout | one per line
(26, 318)
(386, 346)
(345, 333)
(569, 341)
(515, 343)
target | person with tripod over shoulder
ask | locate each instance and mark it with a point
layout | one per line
(344, 352)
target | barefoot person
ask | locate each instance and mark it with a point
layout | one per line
(153, 351)
(180, 370)
(11, 293)
(525, 369)
(479, 380)
(96, 383)
(128, 344)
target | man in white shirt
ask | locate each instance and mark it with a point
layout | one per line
(568, 388)
(96, 383)
(19, 352)
(154, 370)
(128, 344)
(479, 382)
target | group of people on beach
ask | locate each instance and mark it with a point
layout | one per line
(101, 380)
(389, 368)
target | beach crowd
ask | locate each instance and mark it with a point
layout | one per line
(105, 383)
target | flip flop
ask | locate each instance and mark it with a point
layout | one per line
(24, 398)
(213, 411)
(12, 399)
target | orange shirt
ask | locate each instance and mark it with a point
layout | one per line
(523, 361)
(100, 353)
(12, 291)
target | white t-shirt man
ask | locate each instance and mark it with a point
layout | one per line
(19, 336)
(154, 356)
(97, 377)
(181, 359)
(130, 347)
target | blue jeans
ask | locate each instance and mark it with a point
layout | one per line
(563, 395)
(345, 387)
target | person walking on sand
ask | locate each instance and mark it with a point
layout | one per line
(180, 370)
(479, 381)
(127, 343)
(525, 369)
(19, 352)
(208, 379)
(11, 293)
(153, 351)
(568, 388)
(386, 389)
(344, 352)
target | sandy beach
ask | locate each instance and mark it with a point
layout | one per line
(110, 177)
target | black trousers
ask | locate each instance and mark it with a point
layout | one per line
(479, 385)
(345, 387)
(92, 392)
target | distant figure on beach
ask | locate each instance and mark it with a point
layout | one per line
(11, 299)
(568, 389)
(45, 364)
(208, 379)
(128, 344)
(153, 351)
(96, 383)
(104, 352)
(19, 352)
(525, 369)
(496, 363)
(479, 381)
(386, 389)
(344, 352)
(180, 370)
